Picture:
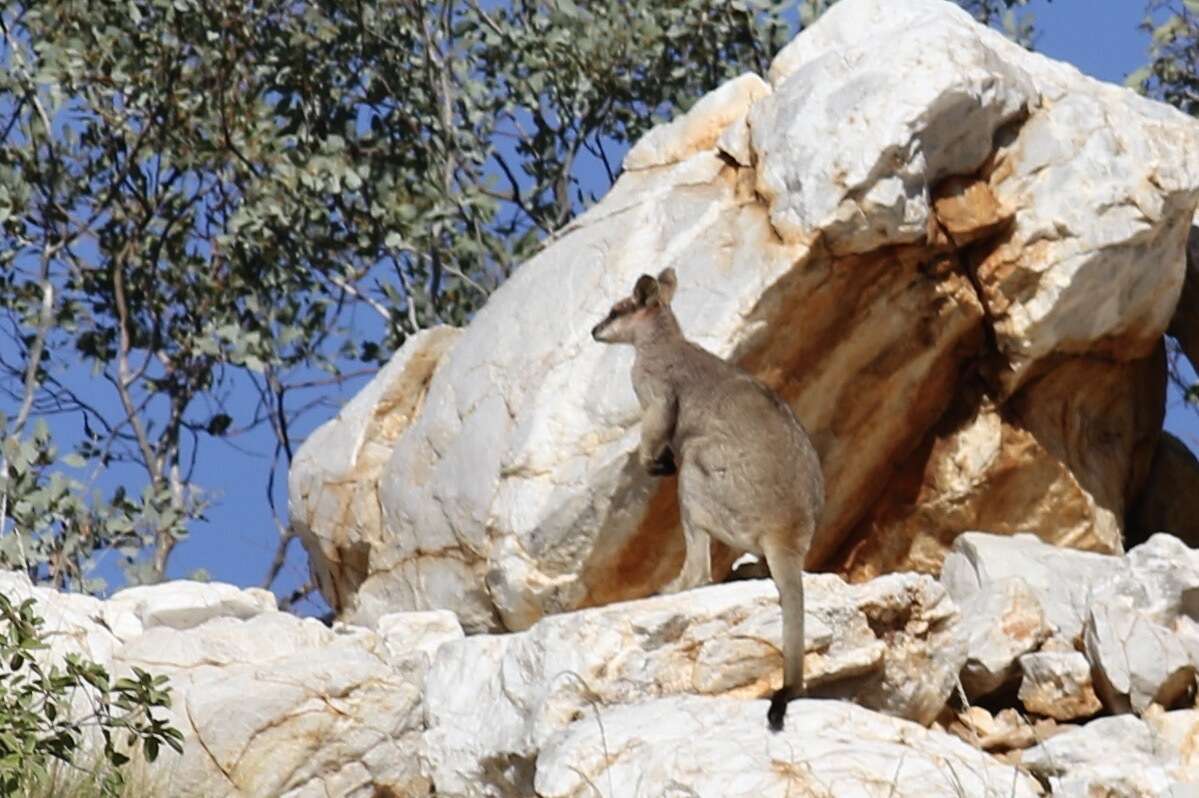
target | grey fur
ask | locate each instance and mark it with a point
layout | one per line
(748, 474)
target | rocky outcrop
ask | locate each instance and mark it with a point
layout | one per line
(1134, 620)
(959, 280)
(493, 701)
(667, 692)
(681, 746)
(268, 703)
(1062, 580)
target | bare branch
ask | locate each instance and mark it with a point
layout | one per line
(45, 318)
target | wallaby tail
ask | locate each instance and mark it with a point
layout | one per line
(786, 566)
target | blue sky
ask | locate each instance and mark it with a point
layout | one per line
(238, 540)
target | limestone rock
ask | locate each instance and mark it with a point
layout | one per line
(1121, 757)
(697, 130)
(269, 704)
(1063, 456)
(407, 632)
(1057, 684)
(1138, 615)
(493, 701)
(858, 204)
(1004, 620)
(1137, 662)
(276, 705)
(333, 503)
(680, 746)
(73, 623)
(182, 604)
(1161, 577)
(1005, 731)
(1041, 284)
(1063, 580)
(929, 263)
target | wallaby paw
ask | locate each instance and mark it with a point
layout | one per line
(778, 708)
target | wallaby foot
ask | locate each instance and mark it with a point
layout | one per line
(778, 708)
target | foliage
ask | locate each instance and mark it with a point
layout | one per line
(200, 200)
(1172, 74)
(37, 725)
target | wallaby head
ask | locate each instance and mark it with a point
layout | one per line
(641, 314)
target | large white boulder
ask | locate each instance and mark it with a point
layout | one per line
(279, 706)
(492, 701)
(268, 703)
(718, 748)
(333, 484)
(1063, 581)
(911, 196)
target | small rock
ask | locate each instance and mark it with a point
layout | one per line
(1057, 684)
(182, 604)
(406, 632)
(1006, 731)
(1119, 757)
(1063, 580)
(1003, 621)
(1137, 662)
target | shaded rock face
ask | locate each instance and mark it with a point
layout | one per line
(959, 280)
(1065, 455)
(1170, 501)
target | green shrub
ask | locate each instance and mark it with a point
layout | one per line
(40, 736)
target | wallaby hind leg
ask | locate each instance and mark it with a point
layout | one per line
(786, 566)
(697, 562)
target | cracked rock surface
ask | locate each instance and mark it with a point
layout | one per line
(492, 701)
(681, 746)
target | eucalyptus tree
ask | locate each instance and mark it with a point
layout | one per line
(204, 199)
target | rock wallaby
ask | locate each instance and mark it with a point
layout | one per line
(747, 472)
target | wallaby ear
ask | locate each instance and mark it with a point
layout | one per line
(667, 282)
(646, 291)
